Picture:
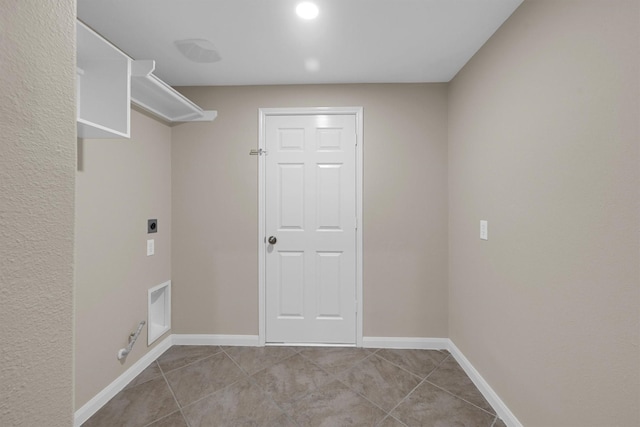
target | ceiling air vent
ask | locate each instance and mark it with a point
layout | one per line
(198, 50)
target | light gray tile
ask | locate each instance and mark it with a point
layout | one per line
(419, 362)
(136, 406)
(451, 377)
(253, 359)
(335, 359)
(291, 379)
(181, 355)
(332, 405)
(241, 404)
(430, 406)
(201, 378)
(380, 381)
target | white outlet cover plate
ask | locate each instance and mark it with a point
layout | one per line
(484, 229)
(151, 247)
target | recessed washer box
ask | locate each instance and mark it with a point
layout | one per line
(159, 311)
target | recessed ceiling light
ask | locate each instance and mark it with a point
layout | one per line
(307, 10)
(312, 65)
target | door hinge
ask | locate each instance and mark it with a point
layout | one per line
(356, 223)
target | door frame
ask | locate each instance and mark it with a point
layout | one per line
(263, 113)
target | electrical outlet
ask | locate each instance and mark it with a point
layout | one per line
(484, 230)
(152, 226)
(151, 247)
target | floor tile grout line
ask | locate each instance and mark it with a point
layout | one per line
(388, 413)
(261, 390)
(308, 359)
(461, 398)
(453, 394)
(406, 397)
(419, 384)
(234, 362)
(438, 366)
(331, 378)
(268, 396)
(261, 369)
(128, 386)
(246, 376)
(174, 397)
(335, 376)
(394, 418)
(166, 416)
(214, 392)
(190, 363)
(282, 360)
(373, 353)
(253, 381)
(406, 370)
(286, 413)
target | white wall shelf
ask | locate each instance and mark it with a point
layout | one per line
(103, 87)
(157, 97)
(108, 81)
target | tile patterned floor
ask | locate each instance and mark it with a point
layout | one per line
(201, 386)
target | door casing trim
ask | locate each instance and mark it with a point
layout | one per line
(263, 113)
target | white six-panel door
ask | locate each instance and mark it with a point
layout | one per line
(310, 209)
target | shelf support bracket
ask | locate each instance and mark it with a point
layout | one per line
(142, 67)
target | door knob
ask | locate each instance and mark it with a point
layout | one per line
(272, 240)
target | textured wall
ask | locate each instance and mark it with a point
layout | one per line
(120, 184)
(543, 131)
(37, 160)
(215, 207)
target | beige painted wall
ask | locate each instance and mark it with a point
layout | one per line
(215, 207)
(120, 183)
(37, 160)
(543, 132)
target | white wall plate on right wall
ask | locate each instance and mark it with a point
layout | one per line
(484, 229)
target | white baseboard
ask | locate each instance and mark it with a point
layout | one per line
(201, 339)
(406, 343)
(494, 400)
(100, 399)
